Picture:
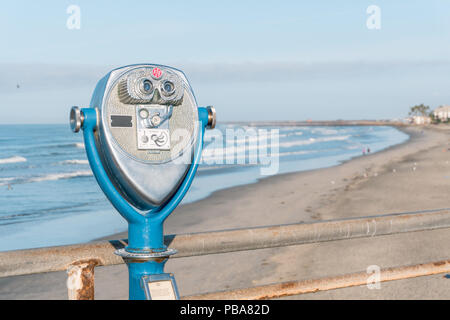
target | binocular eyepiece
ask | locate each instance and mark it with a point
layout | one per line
(148, 119)
(152, 85)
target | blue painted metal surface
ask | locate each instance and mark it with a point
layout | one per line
(137, 270)
(145, 231)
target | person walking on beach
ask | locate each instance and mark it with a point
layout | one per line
(364, 151)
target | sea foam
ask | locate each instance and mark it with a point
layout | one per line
(75, 161)
(241, 147)
(59, 176)
(14, 159)
(48, 177)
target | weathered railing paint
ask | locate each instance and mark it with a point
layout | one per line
(21, 262)
(80, 280)
(292, 288)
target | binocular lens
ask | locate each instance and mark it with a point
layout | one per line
(168, 87)
(147, 86)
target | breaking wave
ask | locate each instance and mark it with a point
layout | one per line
(48, 177)
(240, 148)
(14, 159)
(75, 161)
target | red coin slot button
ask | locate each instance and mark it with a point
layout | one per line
(157, 73)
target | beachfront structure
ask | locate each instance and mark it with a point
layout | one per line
(442, 113)
(419, 120)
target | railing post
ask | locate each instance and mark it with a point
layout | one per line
(80, 280)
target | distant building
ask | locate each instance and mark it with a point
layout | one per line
(442, 113)
(419, 120)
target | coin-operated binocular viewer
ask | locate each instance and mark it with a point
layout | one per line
(143, 135)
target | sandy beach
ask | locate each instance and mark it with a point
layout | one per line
(408, 177)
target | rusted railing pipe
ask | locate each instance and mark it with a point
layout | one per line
(30, 261)
(284, 289)
(303, 233)
(60, 258)
(80, 280)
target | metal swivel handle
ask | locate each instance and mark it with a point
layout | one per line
(211, 117)
(76, 119)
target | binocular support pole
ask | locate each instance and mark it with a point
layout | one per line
(146, 252)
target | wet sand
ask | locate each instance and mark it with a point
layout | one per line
(408, 177)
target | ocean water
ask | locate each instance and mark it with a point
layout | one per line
(48, 195)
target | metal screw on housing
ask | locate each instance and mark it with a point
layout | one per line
(211, 117)
(76, 119)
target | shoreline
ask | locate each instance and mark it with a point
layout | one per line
(411, 176)
(411, 131)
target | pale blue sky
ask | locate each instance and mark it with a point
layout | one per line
(252, 60)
